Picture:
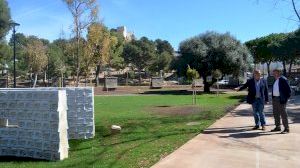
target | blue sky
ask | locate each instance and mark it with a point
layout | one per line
(172, 20)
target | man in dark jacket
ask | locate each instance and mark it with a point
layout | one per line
(281, 92)
(257, 96)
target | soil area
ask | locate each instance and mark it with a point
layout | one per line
(175, 110)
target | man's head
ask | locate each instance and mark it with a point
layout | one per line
(276, 73)
(256, 74)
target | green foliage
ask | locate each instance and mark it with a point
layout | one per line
(84, 13)
(163, 46)
(62, 51)
(56, 64)
(217, 74)
(210, 51)
(139, 53)
(4, 18)
(264, 49)
(116, 50)
(36, 55)
(22, 67)
(287, 47)
(192, 74)
(5, 55)
(281, 47)
(163, 57)
(55, 54)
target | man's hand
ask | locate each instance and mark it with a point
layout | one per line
(266, 102)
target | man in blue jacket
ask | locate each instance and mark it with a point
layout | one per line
(257, 96)
(281, 92)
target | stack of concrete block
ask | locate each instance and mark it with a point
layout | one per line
(80, 113)
(35, 124)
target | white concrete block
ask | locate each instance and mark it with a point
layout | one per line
(40, 119)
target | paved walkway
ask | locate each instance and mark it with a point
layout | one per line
(230, 143)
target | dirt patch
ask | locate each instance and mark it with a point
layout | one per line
(193, 123)
(175, 110)
(145, 90)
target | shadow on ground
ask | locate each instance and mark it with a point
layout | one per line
(247, 132)
(176, 92)
(19, 159)
(238, 132)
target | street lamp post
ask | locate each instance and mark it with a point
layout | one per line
(14, 24)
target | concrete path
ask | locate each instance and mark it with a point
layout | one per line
(230, 143)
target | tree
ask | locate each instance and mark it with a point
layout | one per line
(139, 53)
(163, 46)
(5, 55)
(56, 60)
(293, 43)
(87, 61)
(117, 43)
(84, 13)
(98, 38)
(217, 74)
(286, 49)
(263, 48)
(4, 18)
(21, 64)
(211, 51)
(163, 57)
(36, 56)
(4, 28)
(192, 74)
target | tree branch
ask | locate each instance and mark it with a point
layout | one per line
(295, 9)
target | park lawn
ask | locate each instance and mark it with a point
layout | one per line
(146, 135)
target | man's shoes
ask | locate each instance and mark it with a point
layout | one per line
(255, 128)
(263, 128)
(276, 129)
(286, 131)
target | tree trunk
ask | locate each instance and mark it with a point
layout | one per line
(31, 80)
(62, 79)
(35, 80)
(218, 88)
(77, 29)
(85, 80)
(127, 78)
(73, 78)
(45, 78)
(77, 68)
(284, 68)
(268, 67)
(290, 67)
(206, 85)
(97, 74)
(140, 77)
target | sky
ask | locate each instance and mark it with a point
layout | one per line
(172, 20)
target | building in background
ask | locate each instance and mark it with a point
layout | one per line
(129, 36)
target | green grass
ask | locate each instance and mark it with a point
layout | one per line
(145, 136)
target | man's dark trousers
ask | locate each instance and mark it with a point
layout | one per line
(279, 110)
